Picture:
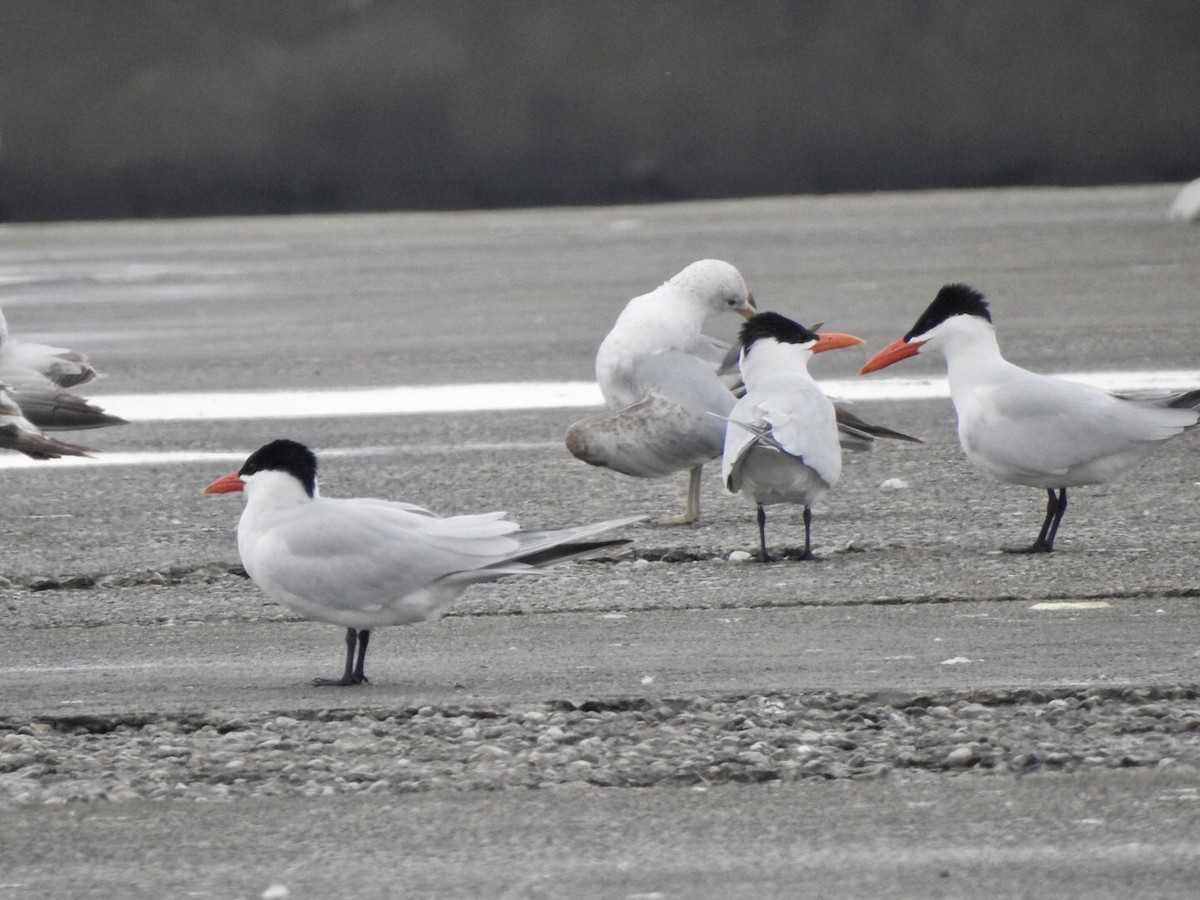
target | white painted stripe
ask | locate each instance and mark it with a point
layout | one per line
(13, 461)
(69, 669)
(171, 457)
(1072, 604)
(452, 398)
(934, 388)
(391, 401)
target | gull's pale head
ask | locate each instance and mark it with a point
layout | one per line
(718, 285)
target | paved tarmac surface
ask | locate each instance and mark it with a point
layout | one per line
(120, 611)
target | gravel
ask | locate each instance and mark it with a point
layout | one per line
(595, 744)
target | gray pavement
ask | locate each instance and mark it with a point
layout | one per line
(135, 614)
(1124, 834)
(498, 659)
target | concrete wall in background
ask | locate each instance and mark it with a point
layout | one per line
(152, 108)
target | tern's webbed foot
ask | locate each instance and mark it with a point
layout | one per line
(1032, 548)
(354, 672)
(344, 681)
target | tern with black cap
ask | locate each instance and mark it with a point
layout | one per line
(1037, 430)
(366, 563)
(781, 441)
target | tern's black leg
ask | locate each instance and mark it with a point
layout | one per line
(351, 675)
(1056, 506)
(360, 675)
(763, 555)
(808, 554)
(1059, 511)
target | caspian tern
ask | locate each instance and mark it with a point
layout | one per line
(366, 563)
(781, 441)
(38, 375)
(1030, 429)
(658, 374)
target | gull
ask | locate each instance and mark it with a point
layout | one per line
(366, 563)
(658, 374)
(1186, 205)
(1036, 430)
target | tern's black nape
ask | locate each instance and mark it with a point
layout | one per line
(285, 456)
(773, 325)
(951, 300)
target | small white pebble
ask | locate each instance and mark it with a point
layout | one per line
(893, 484)
(276, 892)
(962, 756)
(738, 556)
(955, 660)
(647, 679)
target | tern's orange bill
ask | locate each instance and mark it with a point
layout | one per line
(832, 340)
(892, 353)
(226, 484)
